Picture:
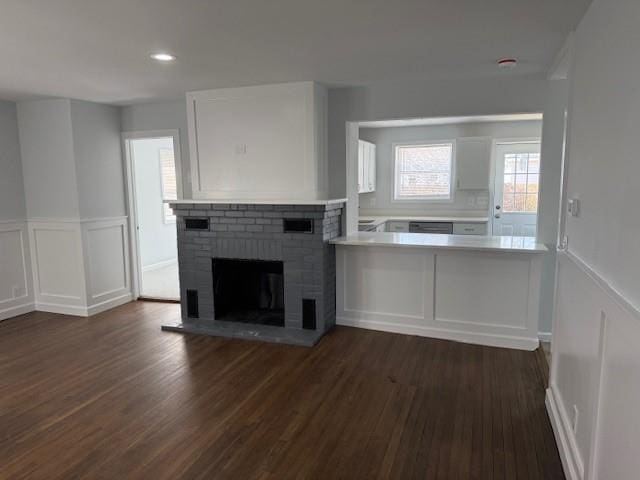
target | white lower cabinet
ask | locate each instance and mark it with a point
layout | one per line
(397, 226)
(469, 228)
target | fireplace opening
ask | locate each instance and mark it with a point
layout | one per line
(248, 291)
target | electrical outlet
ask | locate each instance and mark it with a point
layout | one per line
(574, 421)
(241, 149)
(471, 201)
(18, 291)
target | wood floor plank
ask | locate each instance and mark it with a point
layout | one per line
(112, 396)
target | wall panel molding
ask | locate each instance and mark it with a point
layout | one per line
(80, 267)
(16, 285)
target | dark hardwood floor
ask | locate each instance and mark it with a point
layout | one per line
(113, 397)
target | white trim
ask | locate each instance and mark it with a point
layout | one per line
(566, 440)
(17, 310)
(505, 341)
(134, 238)
(545, 336)
(84, 311)
(159, 265)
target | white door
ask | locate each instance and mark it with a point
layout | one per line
(154, 179)
(517, 186)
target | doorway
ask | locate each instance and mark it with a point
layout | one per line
(516, 188)
(153, 177)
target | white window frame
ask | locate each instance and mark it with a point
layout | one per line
(423, 199)
(166, 219)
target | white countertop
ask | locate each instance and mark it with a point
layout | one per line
(379, 219)
(256, 201)
(445, 242)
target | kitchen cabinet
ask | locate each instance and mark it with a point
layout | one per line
(473, 159)
(469, 228)
(366, 167)
(397, 226)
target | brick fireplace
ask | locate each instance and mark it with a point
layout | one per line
(257, 271)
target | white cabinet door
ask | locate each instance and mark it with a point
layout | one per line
(397, 226)
(361, 162)
(366, 167)
(473, 155)
(371, 167)
(469, 228)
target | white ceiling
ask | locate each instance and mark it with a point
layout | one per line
(98, 49)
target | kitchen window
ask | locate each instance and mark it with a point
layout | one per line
(423, 172)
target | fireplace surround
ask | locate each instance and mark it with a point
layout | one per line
(260, 271)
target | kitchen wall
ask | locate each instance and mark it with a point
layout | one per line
(465, 202)
(594, 389)
(170, 115)
(16, 288)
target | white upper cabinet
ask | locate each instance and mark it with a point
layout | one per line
(366, 167)
(473, 159)
(259, 142)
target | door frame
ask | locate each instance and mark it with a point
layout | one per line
(492, 175)
(130, 193)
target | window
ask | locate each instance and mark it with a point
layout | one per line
(423, 172)
(168, 181)
(521, 182)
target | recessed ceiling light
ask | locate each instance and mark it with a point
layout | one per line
(507, 63)
(163, 57)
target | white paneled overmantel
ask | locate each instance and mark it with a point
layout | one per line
(257, 142)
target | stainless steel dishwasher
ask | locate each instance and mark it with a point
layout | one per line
(431, 227)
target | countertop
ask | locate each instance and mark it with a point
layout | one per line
(255, 201)
(379, 219)
(444, 242)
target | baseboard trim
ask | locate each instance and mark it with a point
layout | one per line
(17, 310)
(565, 438)
(109, 304)
(504, 341)
(544, 336)
(61, 309)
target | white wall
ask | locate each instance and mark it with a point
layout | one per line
(16, 289)
(170, 115)
(46, 146)
(12, 202)
(596, 359)
(98, 158)
(381, 202)
(158, 241)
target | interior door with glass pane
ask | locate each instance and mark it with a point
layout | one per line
(517, 186)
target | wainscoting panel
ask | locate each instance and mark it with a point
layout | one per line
(58, 271)
(16, 289)
(106, 263)
(594, 390)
